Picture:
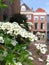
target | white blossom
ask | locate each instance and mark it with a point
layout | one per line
(43, 34)
(41, 47)
(1, 39)
(38, 46)
(40, 59)
(47, 58)
(38, 33)
(15, 29)
(47, 63)
(31, 58)
(24, 47)
(30, 23)
(29, 53)
(18, 63)
(43, 50)
(9, 63)
(6, 26)
(14, 42)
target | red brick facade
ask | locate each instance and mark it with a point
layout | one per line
(37, 17)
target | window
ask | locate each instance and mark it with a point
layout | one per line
(23, 8)
(28, 16)
(41, 17)
(35, 17)
(36, 24)
(42, 26)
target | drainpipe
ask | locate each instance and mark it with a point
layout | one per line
(46, 27)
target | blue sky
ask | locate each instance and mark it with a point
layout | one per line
(37, 3)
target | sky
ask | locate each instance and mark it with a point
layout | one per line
(37, 4)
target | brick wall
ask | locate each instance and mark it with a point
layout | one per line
(39, 12)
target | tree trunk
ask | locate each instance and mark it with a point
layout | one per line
(1, 15)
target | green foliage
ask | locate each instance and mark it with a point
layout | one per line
(20, 19)
(15, 53)
(18, 53)
(22, 40)
(2, 5)
(28, 62)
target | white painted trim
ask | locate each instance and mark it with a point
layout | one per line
(34, 13)
(26, 12)
(39, 13)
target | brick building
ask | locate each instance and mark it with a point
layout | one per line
(48, 23)
(37, 18)
(13, 7)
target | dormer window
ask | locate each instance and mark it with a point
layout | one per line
(23, 8)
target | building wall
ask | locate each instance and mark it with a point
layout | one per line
(39, 23)
(39, 14)
(47, 22)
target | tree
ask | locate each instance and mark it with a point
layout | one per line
(3, 6)
(20, 19)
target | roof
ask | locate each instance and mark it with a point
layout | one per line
(27, 8)
(40, 10)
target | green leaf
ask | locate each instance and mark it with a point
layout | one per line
(3, 6)
(7, 40)
(28, 62)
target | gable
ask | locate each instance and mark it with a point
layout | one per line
(40, 10)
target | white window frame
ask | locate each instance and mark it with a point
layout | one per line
(42, 18)
(28, 16)
(23, 8)
(35, 17)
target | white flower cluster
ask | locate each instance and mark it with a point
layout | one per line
(15, 29)
(30, 55)
(30, 23)
(38, 33)
(41, 47)
(1, 39)
(18, 63)
(14, 42)
(47, 60)
(41, 34)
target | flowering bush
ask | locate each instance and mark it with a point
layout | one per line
(13, 44)
(41, 36)
(41, 47)
(47, 60)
